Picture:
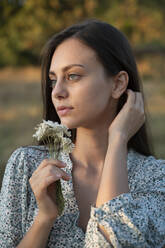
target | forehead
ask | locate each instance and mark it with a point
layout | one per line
(72, 51)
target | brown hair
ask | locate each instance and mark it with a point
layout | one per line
(115, 54)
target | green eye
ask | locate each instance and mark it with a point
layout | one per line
(73, 76)
(53, 83)
(69, 77)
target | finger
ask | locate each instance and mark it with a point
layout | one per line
(38, 181)
(46, 182)
(140, 105)
(52, 170)
(48, 172)
(142, 102)
(131, 97)
(50, 161)
(139, 101)
(49, 180)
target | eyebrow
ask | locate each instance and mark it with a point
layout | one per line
(67, 68)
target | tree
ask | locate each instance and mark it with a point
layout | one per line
(26, 25)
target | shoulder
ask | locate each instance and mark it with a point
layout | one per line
(146, 171)
(140, 161)
(25, 159)
(154, 165)
(29, 151)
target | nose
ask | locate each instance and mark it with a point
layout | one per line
(59, 90)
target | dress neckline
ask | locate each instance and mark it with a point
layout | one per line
(68, 185)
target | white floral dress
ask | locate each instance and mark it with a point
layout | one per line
(134, 219)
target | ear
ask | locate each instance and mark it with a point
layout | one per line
(120, 83)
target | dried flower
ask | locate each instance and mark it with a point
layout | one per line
(52, 135)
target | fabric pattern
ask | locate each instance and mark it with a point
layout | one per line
(134, 219)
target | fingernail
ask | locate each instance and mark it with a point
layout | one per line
(58, 175)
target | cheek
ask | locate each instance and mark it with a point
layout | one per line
(94, 99)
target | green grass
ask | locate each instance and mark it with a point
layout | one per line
(21, 111)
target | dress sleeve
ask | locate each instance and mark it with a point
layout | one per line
(10, 201)
(134, 219)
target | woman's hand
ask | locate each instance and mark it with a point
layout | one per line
(43, 185)
(130, 118)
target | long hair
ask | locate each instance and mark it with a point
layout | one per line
(115, 54)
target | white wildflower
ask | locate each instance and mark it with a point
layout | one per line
(52, 135)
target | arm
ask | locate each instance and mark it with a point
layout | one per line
(42, 184)
(37, 235)
(11, 201)
(128, 216)
(114, 179)
(135, 219)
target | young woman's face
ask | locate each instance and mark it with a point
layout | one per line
(79, 81)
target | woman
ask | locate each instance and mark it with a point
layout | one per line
(113, 186)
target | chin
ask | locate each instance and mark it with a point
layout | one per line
(69, 124)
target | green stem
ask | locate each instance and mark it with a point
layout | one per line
(54, 150)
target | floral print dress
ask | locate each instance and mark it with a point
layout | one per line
(134, 219)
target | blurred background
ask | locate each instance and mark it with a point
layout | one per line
(26, 25)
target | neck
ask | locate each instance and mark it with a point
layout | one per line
(92, 142)
(90, 148)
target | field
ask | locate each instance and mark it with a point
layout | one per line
(21, 108)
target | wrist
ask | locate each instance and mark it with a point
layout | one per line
(118, 138)
(45, 220)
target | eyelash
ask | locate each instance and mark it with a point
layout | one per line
(53, 81)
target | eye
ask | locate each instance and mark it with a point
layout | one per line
(52, 82)
(73, 76)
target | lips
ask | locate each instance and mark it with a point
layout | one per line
(63, 107)
(63, 110)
